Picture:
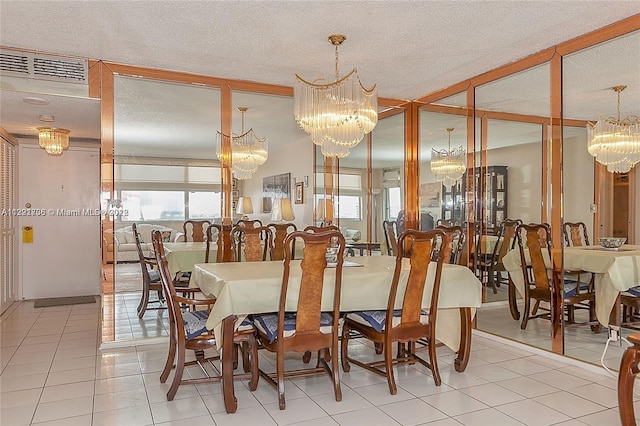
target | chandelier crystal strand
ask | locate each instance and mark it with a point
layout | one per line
(615, 142)
(336, 115)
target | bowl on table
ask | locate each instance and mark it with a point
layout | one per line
(611, 242)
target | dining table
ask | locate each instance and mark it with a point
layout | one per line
(182, 256)
(615, 270)
(241, 290)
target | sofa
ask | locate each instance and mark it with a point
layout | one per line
(120, 245)
(350, 235)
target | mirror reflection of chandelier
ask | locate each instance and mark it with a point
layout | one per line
(53, 141)
(337, 115)
(448, 166)
(615, 142)
(247, 150)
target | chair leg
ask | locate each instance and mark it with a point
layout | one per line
(177, 378)
(246, 363)
(525, 314)
(255, 374)
(306, 358)
(433, 360)
(336, 374)
(171, 356)
(596, 326)
(388, 366)
(280, 374)
(345, 349)
(144, 301)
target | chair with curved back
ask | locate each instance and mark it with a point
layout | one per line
(280, 232)
(535, 240)
(390, 229)
(456, 241)
(575, 234)
(249, 223)
(309, 327)
(444, 222)
(251, 244)
(411, 322)
(195, 230)
(315, 229)
(506, 241)
(150, 278)
(187, 331)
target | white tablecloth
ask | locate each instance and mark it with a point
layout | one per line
(182, 256)
(615, 271)
(248, 288)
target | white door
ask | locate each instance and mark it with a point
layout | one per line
(63, 195)
(8, 257)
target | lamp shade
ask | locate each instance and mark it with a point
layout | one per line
(244, 206)
(276, 209)
(324, 211)
(287, 209)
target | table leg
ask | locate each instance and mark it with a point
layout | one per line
(464, 351)
(626, 377)
(230, 401)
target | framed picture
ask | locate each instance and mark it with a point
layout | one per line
(276, 186)
(234, 205)
(299, 199)
(430, 195)
(235, 194)
(234, 183)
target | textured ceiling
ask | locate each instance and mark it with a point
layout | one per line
(407, 48)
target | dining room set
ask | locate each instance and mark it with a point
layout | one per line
(302, 295)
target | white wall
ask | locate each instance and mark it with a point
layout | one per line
(578, 188)
(295, 158)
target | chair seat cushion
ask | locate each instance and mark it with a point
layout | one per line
(377, 319)
(267, 324)
(570, 288)
(154, 275)
(633, 292)
(195, 323)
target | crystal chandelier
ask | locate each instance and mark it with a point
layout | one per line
(448, 166)
(337, 115)
(615, 142)
(53, 141)
(247, 150)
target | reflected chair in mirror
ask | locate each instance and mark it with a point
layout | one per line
(194, 230)
(444, 222)
(255, 223)
(390, 229)
(575, 234)
(307, 328)
(280, 232)
(188, 332)
(535, 240)
(455, 243)
(410, 322)
(251, 244)
(506, 241)
(215, 235)
(150, 278)
(315, 229)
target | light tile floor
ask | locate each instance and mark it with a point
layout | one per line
(53, 373)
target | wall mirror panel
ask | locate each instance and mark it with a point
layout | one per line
(511, 116)
(604, 201)
(165, 172)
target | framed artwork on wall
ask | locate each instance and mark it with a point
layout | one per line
(276, 186)
(299, 194)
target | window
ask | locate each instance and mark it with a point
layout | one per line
(346, 207)
(394, 200)
(153, 205)
(204, 205)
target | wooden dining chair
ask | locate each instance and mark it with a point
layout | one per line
(249, 223)
(390, 229)
(194, 230)
(251, 244)
(410, 322)
(188, 332)
(535, 240)
(575, 234)
(456, 241)
(280, 232)
(506, 241)
(321, 228)
(307, 327)
(150, 278)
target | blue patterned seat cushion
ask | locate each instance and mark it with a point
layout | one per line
(195, 323)
(377, 319)
(154, 275)
(268, 324)
(633, 291)
(570, 288)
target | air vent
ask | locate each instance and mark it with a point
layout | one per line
(43, 67)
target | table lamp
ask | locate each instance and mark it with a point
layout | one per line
(281, 210)
(245, 207)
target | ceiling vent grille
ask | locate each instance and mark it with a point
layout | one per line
(43, 67)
